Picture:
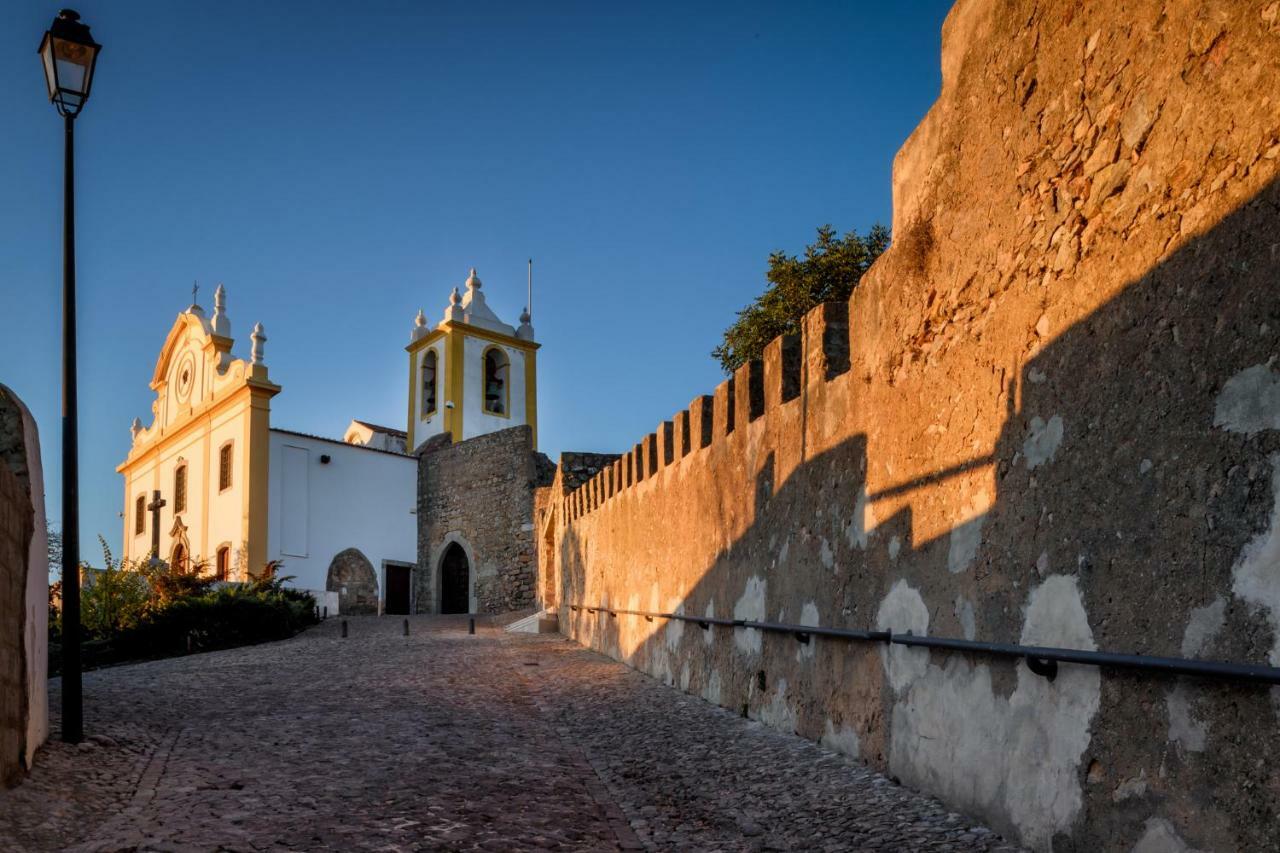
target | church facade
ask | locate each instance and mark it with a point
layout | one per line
(211, 486)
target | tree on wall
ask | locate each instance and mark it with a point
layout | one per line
(828, 272)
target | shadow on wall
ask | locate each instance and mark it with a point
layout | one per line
(1132, 507)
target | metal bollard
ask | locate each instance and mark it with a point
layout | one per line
(406, 627)
(344, 627)
(326, 611)
(471, 625)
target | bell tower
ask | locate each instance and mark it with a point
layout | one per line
(472, 373)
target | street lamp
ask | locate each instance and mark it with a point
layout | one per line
(69, 54)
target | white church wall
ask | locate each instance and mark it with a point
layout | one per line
(361, 498)
(475, 421)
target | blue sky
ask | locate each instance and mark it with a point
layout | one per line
(340, 165)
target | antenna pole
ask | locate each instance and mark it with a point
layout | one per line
(531, 290)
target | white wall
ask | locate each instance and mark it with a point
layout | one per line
(475, 421)
(361, 499)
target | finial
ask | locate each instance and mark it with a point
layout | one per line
(420, 320)
(454, 298)
(195, 291)
(473, 280)
(221, 323)
(524, 315)
(258, 337)
(135, 428)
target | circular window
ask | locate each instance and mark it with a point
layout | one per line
(186, 376)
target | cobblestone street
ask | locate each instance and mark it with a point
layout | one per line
(442, 741)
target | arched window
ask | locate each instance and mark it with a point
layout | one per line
(429, 364)
(222, 563)
(180, 488)
(497, 367)
(140, 515)
(224, 467)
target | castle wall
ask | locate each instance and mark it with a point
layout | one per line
(24, 592)
(480, 494)
(1047, 416)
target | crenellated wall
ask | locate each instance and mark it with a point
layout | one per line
(1049, 415)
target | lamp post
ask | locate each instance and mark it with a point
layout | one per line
(69, 54)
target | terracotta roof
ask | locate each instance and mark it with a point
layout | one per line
(343, 443)
(377, 428)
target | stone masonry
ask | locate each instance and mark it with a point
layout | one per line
(480, 494)
(1049, 415)
(23, 609)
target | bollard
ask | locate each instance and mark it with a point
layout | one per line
(317, 612)
(406, 627)
(344, 627)
(188, 644)
(326, 611)
(471, 625)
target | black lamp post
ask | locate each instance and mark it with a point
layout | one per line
(69, 54)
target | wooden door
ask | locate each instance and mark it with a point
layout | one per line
(455, 581)
(397, 602)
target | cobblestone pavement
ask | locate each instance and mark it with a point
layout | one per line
(442, 741)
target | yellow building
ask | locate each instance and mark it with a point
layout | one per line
(206, 452)
(472, 374)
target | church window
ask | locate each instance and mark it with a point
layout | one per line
(140, 515)
(496, 369)
(180, 488)
(429, 364)
(222, 562)
(224, 467)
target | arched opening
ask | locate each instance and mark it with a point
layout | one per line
(496, 368)
(429, 364)
(178, 560)
(455, 580)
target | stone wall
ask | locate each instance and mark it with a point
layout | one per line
(480, 494)
(24, 592)
(1049, 415)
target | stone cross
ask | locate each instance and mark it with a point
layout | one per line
(157, 503)
(195, 290)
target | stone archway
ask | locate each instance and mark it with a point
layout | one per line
(455, 580)
(352, 577)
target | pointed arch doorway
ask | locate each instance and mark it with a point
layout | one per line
(455, 580)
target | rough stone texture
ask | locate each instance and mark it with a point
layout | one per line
(1054, 420)
(354, 579)
(443, 741)
(23, 591)
(480, 493)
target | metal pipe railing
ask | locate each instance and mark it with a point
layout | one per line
(1042, 660)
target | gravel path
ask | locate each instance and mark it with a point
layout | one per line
(442, 741)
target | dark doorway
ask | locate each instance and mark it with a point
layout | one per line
(455, 581)
(397, 602)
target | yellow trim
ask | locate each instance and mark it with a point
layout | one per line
(506, 384)
(413, 413)
(257, 457)
(200, 416)
(454, 362)
(475, 332)
(531, 393)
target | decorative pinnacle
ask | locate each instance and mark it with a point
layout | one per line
(420, 320)
(258, 337)
(454, 298)
(473, 280)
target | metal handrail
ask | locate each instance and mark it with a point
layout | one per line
(1042, 660)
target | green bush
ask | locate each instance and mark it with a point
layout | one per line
(140, 611)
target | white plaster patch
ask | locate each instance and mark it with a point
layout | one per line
(843, 740)
(1042, 563)
(684, 677)
(1203, 625)
(776, 713)
(951, 733)
(1160, 837)
(863, 521)
(711, 692)
(964, 541)
(1255, 577)
(895, 546)
(709, 637)
(964, 612)
(1130, 788)
(825, 553)
(903, 611)
(1042, 441)
(1144, 466)
(786, 549)
(1249, 402)
(675, 627)
(750, 606)
(808, 616)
